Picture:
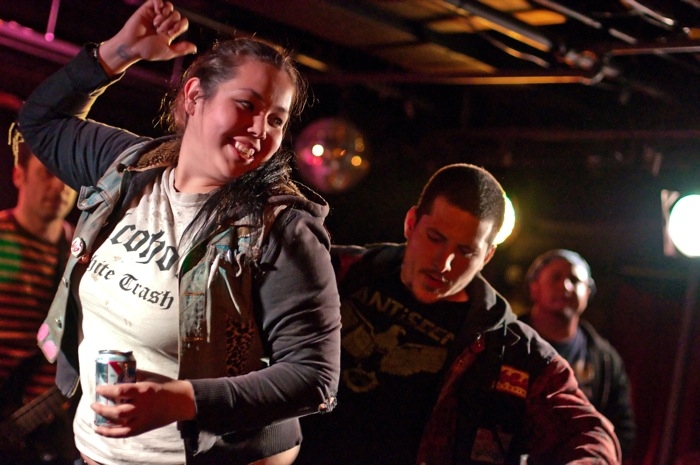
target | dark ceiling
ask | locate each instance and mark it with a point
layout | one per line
(583, 109)
(499, 69)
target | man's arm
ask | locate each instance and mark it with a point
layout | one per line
(565, 426)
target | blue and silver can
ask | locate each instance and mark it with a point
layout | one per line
(113, 367)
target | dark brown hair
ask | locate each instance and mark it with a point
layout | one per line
(220, 64)
(247, 194)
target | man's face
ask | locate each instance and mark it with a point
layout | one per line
(41, 193)
(561, 288)
(445, 249)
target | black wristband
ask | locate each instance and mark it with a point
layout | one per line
(93, 52)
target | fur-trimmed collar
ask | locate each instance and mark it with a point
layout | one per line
(165, 154)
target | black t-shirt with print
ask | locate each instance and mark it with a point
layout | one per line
(394, 353)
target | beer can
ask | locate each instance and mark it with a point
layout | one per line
(113, 367)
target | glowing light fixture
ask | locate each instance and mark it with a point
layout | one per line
(508, 223)
(684, 225)
(332, 155)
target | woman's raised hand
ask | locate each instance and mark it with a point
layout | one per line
(147, 35)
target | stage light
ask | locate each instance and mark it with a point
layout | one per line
(508, 223)
(681, 233)
(684, 224)
(332, 155)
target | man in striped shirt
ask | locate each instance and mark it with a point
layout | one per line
(34, 243)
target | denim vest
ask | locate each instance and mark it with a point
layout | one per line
(214, 271)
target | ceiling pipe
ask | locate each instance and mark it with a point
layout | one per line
(685, 46)
(572, 135)
(505, 24)
(53, 18)
(26, 40)
(587, 71)
(587, 20)
(646, 12)
(502, 78)
(566, 11)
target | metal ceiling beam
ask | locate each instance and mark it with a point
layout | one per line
(502, 78)
(572, 135)
(419, 30)
(26, 40)
(684, 46)
(506, 24)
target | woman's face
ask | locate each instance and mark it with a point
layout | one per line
(239, 127)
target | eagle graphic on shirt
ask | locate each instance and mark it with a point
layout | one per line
(382, 352)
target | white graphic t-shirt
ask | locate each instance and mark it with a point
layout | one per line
(129, 298)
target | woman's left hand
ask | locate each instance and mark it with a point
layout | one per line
(147, 35)
(144, 406)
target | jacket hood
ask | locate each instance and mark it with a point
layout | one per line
(489, 309)
(307, 200)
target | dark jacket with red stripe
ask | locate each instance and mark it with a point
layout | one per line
(505, 395)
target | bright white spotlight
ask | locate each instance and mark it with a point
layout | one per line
(508, 223)
(684, 225)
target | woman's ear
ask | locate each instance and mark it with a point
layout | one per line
(192, 92)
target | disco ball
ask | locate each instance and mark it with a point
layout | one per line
(331, 155)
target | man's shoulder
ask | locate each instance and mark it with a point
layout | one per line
(523, 342)
(522, 328)
(369, 251)
(596, 340)
(373, 258)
